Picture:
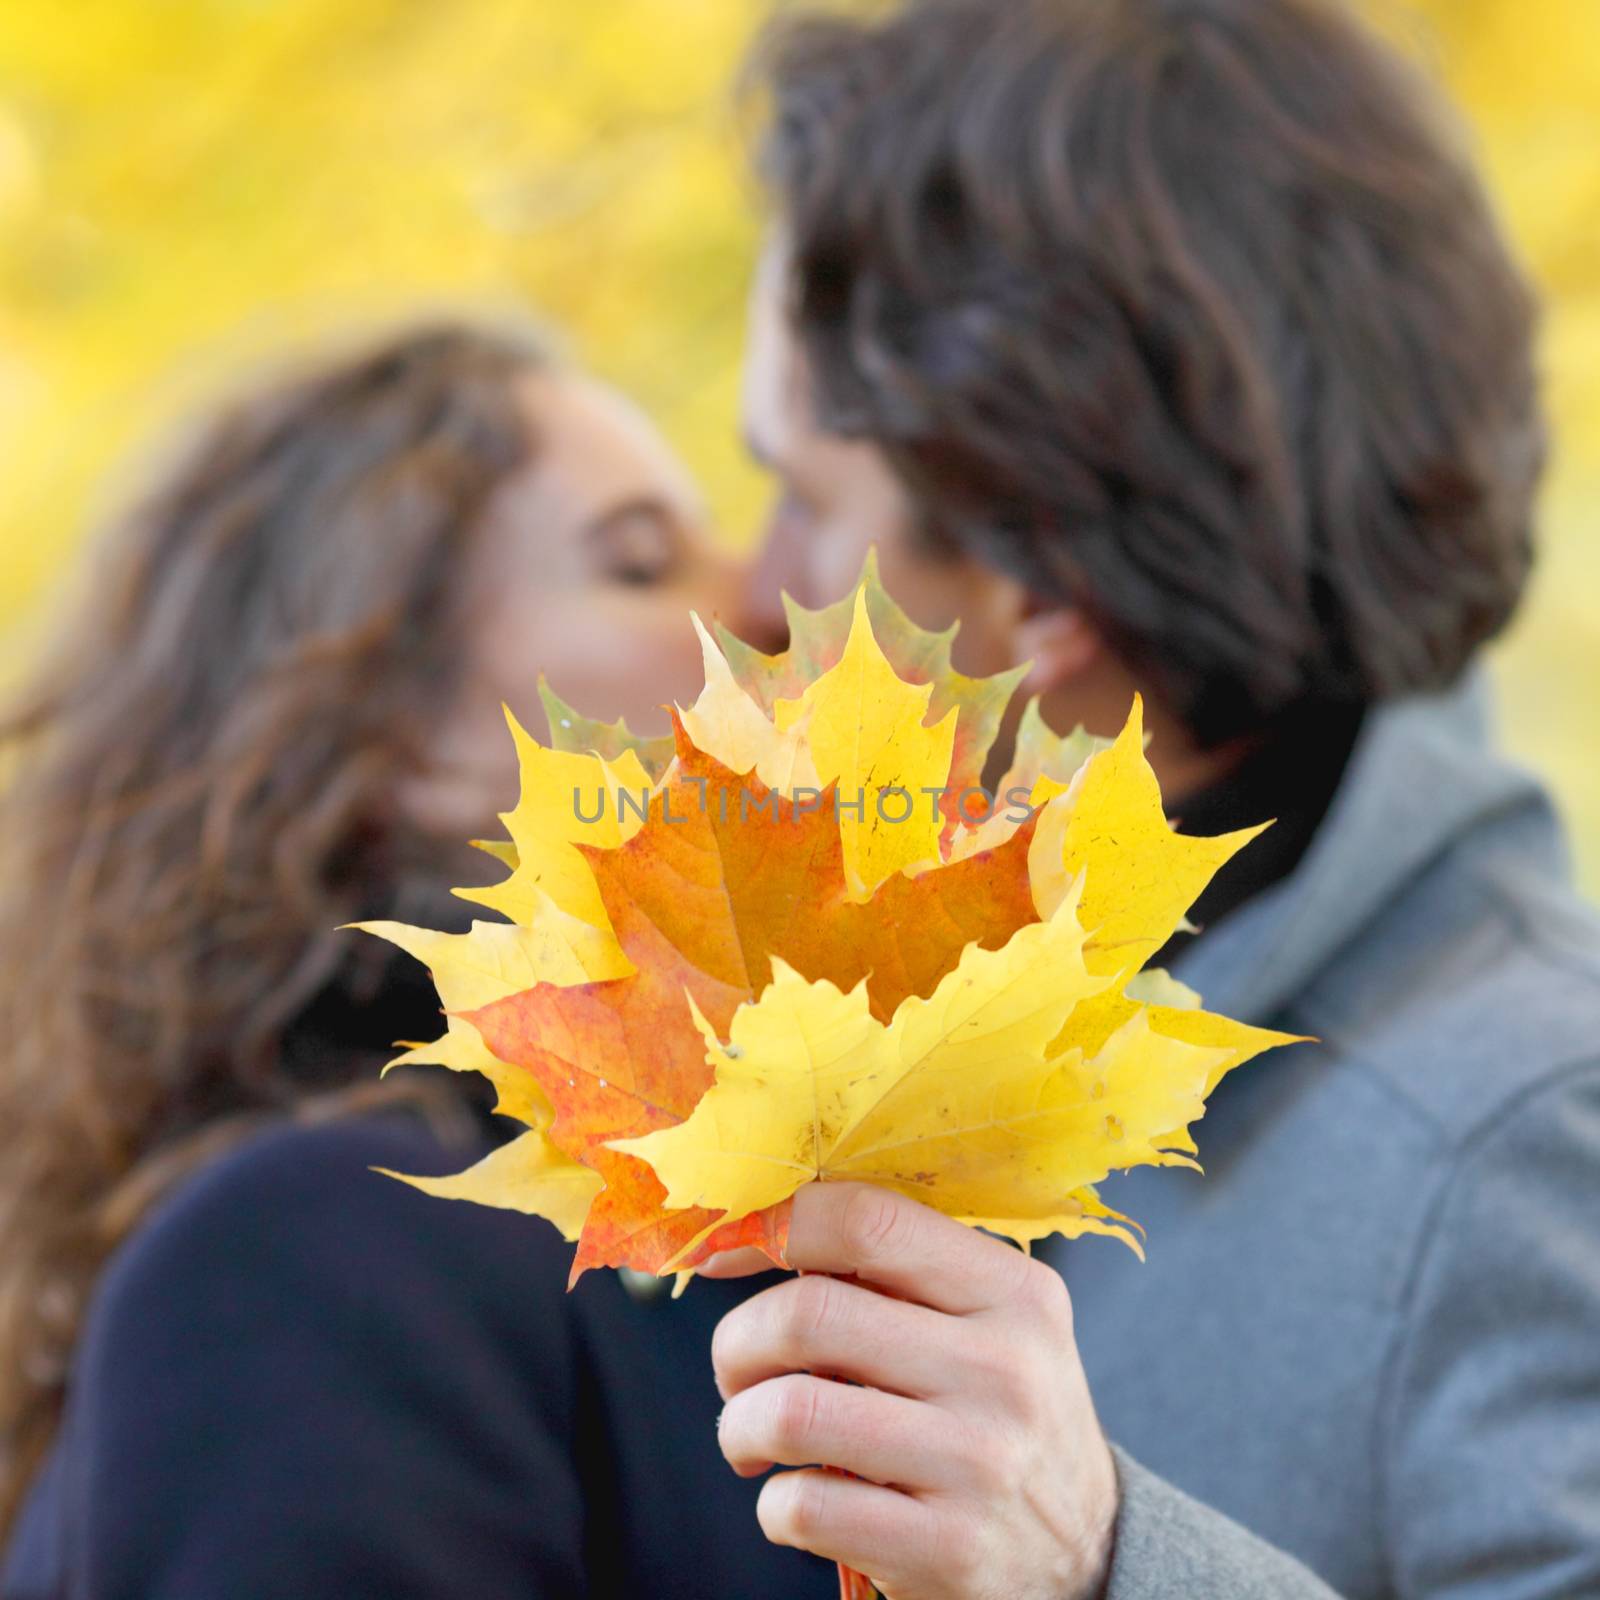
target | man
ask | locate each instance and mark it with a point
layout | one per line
(1170, 343)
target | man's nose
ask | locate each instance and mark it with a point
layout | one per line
(761, 621)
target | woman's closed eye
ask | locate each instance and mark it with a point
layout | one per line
(639, 544)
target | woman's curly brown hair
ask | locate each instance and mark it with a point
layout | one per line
(200, 791)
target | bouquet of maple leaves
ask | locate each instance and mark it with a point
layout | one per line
(781, 945)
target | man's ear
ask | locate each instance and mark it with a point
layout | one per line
(1062, 643)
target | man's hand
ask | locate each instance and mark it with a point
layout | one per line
(980, 1468)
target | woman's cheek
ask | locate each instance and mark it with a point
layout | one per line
(655, 661)
(619, 657)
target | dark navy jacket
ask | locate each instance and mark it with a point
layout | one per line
(305, 1380)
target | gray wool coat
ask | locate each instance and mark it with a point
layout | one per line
(1363, 1357)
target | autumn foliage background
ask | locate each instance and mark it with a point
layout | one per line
(188, 185)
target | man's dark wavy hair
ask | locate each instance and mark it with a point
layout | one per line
(1190, 312)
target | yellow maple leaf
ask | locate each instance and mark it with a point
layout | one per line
(866, 733)
(961, 1101)
(726, 723)
(1043, 765)
(1141, 875)
(527, 1174)
(568, 798)
(1041, 752)
(918, 655)
(1172, 1010)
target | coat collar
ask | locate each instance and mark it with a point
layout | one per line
(1422, 778)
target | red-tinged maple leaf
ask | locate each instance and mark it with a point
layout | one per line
(724, 877)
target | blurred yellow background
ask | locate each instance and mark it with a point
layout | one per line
(191, 185)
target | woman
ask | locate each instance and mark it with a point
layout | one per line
(232, 1360)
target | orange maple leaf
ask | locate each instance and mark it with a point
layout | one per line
(724, 877)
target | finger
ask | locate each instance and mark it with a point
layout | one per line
(740, 1263)
(840, 1329)
(909, 1249)
(799, 1420)
(870, 1528)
